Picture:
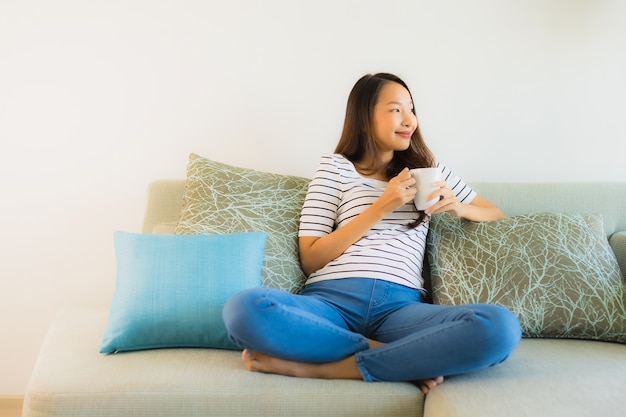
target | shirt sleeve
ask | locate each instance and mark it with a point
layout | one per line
(319, 211)
(463, 192)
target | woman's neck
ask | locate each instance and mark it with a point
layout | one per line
(365, 171)
(364, 168)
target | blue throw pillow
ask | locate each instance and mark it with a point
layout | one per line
(170, 289)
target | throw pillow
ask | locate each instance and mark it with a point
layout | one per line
(220, 198)
(556, 272)
(170, 289)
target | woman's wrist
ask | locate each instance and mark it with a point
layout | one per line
(480, 213)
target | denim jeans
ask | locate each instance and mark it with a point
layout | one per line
(331, 320)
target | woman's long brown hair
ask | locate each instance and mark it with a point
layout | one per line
(357, 140)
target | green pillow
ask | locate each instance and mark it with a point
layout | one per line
(555, 271)
(220, 198)
(171, 289)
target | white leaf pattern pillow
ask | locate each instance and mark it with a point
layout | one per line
(220, 198)
(555, 271)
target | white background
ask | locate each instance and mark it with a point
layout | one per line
(99, 98)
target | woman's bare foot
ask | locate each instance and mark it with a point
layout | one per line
(260, 362)
(342, 369)
(428, 384)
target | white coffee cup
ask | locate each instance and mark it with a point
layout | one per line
(424, 179)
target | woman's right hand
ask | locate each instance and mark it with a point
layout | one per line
(399, 191)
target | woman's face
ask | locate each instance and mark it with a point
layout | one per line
(393, 119)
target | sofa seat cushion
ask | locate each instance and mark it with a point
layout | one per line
(543, 377)
(72, 379)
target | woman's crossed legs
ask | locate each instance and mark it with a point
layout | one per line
(366, 329)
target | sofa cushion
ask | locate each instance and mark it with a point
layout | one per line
(543, 377)
(170, 289)
(71, 378)
(220, 198)
(556, 272)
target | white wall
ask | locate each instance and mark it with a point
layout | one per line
(98, 98)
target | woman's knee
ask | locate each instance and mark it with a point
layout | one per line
(501, 328)
(240, 310)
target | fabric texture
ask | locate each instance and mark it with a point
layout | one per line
(220, 198)
(171, 289)
(555, 271)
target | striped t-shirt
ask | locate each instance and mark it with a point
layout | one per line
(390, 250)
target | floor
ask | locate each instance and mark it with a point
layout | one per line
(10, 408)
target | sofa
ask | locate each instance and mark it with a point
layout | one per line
(571, 361)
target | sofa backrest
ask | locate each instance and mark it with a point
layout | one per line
(607, 199)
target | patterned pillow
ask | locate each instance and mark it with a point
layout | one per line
(556, 272)
(220, 198)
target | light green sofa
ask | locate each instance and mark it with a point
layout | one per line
(543, 377)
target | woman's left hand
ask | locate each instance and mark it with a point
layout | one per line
(478, 210)
(447, 201)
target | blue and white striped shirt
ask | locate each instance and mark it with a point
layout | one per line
(390, 250)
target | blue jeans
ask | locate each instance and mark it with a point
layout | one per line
(331, 320)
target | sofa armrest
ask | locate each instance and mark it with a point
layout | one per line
(618, 244)
(165, 199)
(165, 228)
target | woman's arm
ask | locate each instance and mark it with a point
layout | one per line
(479, 210)
(315, 252)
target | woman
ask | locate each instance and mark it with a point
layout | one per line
(362, 244)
